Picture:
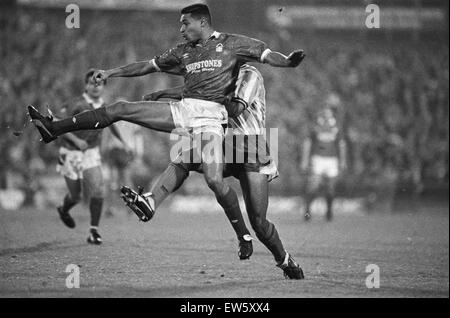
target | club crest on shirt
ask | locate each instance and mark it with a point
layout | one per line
(219, 47)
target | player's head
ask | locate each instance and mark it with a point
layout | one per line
(92, 89)
(195, 20)
(326, 117)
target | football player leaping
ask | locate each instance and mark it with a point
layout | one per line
(210, 62)
(247, 112)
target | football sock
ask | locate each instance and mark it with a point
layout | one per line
(95, 207)
(329, 205)
(230, 204)
(168, 182)
(91, 119)
(268, 235)
(68, 203)
(284, 262)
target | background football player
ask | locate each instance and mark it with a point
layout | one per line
(209, 61)
(323, 158)
(80, 161)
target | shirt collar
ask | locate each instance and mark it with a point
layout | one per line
(215, 34)
(91, 102)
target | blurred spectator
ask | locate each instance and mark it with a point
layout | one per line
(395, 91)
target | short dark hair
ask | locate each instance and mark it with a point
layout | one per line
(198, 11)
(88, 76)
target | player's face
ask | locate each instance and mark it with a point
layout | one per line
(326, 118)
(93, 90)
(190, 28)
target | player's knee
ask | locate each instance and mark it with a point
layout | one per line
(75, 198)
(216, 183)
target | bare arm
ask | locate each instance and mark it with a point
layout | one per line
(133, 69)
(278, 59)
(129, 70)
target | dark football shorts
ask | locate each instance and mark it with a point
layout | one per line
(261, 162)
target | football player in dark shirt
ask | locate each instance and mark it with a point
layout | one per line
(247, 122)
(209, 61)
(323, 159)
(80, 161)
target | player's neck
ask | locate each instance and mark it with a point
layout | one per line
(207, 33)
(94, 99)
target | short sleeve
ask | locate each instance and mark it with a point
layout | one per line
(247, 86)
(170, 60)
(250, 49)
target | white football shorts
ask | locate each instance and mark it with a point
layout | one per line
(72, 163)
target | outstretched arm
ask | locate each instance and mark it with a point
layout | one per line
(129, 70)
(280, 60)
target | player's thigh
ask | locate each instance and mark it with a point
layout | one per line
(149, 114)
(255, 190)
(211, 155)
(74, 187)
(93, 181)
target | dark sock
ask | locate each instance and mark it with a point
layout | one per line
(230, 204)
(95, 206)
(168, 182)
(268, 235)
(329, 204)
(68, 203)
(90, 119)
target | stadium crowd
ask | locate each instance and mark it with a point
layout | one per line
(391, 95)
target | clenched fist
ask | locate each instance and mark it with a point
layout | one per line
(99, 77)
(296, 57)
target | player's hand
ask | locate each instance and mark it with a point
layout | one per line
(100, 76)
(82, 144)
(233, 105)
(296, 57)
(151, 97)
